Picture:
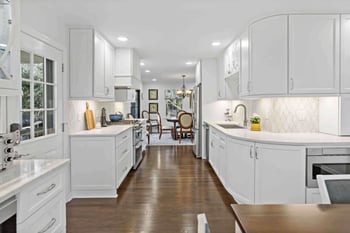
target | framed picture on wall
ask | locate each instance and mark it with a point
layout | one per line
(153, 107)
(153, 94)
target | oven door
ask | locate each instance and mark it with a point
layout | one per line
(325, 165)
(137, 154)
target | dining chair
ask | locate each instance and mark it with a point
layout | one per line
(151, 123)
(203, 226)
(161, 126)
(334, 189)
(185, 122)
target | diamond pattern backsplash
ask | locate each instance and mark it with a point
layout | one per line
(288, 115)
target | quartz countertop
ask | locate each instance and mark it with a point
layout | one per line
(21, 172)
(111, 130)
(303, 139)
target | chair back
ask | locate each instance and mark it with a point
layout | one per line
(334, 189)
(145, 114)
(203, 226)
(185, 120)
(159, 118)
(179, 113)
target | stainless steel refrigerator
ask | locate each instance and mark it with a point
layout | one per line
(197, 120)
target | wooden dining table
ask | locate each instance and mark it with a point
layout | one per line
(297, 218)
(173, 131)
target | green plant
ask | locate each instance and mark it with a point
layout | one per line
(255, 120)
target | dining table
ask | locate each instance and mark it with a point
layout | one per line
(174, 120)
(292, 218)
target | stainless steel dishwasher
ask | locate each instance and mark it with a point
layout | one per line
(8, 209)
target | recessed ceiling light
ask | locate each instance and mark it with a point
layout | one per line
(3, 45)
(154, 79)
(216, 43)
(142, 64)
(147, 71)
(122, 38)
(189, 63)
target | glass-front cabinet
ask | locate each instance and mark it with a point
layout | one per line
(9, 49)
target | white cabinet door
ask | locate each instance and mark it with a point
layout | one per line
(345, 54)
(198, 73)
(244, 65)
(221, 78)
(268, 56)
(213, 148)
(279, 174)
(240, 170)
(314, 53)
(99, 66)
(221, 153)
(109, 70)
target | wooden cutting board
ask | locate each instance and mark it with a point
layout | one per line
(89, 117)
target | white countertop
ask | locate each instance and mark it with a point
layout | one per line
(23, 171)
(305, 139)
(111, 130)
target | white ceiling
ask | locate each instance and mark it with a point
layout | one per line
(168, 33)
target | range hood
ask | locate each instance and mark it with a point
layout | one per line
(121, 82)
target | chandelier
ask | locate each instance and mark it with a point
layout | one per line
(183, 92)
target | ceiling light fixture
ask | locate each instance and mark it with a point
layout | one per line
(142, 64)
(154, 79)
(216, 43)
(122, 38)
(189, 63)
(147, 71)
(183, 92)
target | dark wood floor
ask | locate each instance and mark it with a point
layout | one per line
(164, 195)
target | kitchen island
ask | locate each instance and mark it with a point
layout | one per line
(292, 218)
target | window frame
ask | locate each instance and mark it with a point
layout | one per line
(32, 109)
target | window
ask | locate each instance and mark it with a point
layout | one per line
(38, 103)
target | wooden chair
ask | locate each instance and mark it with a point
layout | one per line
(161, 127)
(203, 226)
(151, 123)
(186, 124)
(334, 189)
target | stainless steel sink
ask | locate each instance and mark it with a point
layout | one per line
(230, 126)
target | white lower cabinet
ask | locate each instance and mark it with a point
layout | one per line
(313, 196)
(264, 173)
(100, 164)
(41, 206)
(49, 219)
(217, 153)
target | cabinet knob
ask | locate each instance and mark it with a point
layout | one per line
(256, 153)
(291, 83)
(251, 152)
(107, 90)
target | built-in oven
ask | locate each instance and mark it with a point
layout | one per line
(326, 161)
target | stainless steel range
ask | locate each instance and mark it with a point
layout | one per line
(7, 151)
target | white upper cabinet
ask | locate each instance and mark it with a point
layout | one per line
(91, 61)
(244, 81)
(314, 54)
(345, 54)
(198, 73)
(128, 72)
(220, 94)
(232, 58)
(268, 56)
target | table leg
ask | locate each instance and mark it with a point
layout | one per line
(174, 131)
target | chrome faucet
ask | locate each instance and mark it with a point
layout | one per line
(245, 122)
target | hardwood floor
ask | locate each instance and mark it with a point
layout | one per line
(163, 195)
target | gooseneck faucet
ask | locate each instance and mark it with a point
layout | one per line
(245, 122)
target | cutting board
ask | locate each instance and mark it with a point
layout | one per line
(89, 117)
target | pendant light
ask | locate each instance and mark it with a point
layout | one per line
(183, 92)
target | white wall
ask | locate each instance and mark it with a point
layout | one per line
(162, 86)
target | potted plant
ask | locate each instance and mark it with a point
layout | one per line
(255, 123)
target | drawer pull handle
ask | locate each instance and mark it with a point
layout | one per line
(48, 226)
(52, 186)
(124, 152)
(125, 136)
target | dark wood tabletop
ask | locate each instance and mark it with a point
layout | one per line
(293, 218)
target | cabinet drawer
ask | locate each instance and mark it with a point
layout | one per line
(122, 150)
(124, 166)
(37, 194)
(50, 218)
(123, 138)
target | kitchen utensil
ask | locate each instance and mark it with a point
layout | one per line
(89, 117)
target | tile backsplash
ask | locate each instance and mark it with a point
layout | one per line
(285, 115)
(292, 115)
(76, 109)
